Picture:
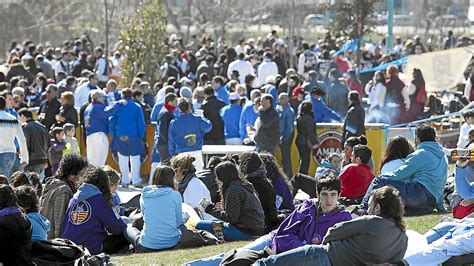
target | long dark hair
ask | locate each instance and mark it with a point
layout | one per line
(164, 176)
(418, 79)
(381, 77)
(227, 172)
(98, 177)
(307, 109)
(274, 171)
(391, 205)
(352, 141)
(7, 197)
(397, 148)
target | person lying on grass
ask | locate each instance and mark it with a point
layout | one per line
(308, 223)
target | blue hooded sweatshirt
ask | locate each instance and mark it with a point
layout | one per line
(231, 115)
(162, 215)
(40, 224)
(322, 113)
(89, 218)
(247, 117)
(128, 121)
(427, 166)
(287, 122)
(186, 133)
(463, 187)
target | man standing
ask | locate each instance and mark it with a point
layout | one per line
(37, 141)
(267, 125)
(211, 108)
(63, 65)
(49, 108)
(127, 127)
(231, 115)
(242, 66)
(337, 94)
(102, 68)
(220, 90)
(249, 115)
(287, 129)
(267, 68)
(186, 134)
(81, 96)
(11, 129)
(307, 61)
(354, 122)
(96, 125)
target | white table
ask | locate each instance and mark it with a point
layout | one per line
(224, 149)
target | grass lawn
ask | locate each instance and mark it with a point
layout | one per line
(175, 257)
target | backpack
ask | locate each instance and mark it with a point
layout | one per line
(64, 252)
(421, 95)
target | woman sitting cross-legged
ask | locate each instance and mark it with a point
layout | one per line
(241, 210)
(90, 219)
(161, 206)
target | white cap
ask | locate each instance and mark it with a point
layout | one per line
(234, 96)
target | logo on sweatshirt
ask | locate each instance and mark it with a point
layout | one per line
(190, 140)
(80, 213)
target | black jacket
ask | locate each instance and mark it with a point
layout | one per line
(15, 239)
(209, 179)
(306, 131)
(241, 208)
(37, 141)
(337, 97)
(50, 110)
(70, 115)
(268, 134)
(266, 195)
(164, 119)
(211, 108)
(354, 122)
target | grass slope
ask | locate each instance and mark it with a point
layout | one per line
(176, 257)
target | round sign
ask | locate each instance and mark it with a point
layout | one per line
(330, 142)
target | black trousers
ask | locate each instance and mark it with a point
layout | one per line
(305, 155)
(304, 182)
(285, 149)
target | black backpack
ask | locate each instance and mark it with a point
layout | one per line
(64, 252)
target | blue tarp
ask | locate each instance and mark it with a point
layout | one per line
(398, 62)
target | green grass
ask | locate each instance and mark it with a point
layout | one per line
(176, 257)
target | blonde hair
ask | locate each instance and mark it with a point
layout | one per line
(391, 71)
(112, 174)
(68, 96)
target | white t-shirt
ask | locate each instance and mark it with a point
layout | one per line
(195, 191)
(463, 135)
(391, 166)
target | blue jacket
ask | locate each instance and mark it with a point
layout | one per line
(89, 219)
(325, 165)
(40, 224)
(96, 117)
(154, 113)
(116, 204)
(287, 122)
(322, 113)
(273, 91)
(247, 117)
(231, 115)
(149, 99)
(222, 94)
(463, 187)
(427, 166)
(186, 133)
(160, 228)
(128, 121)
(112, 97)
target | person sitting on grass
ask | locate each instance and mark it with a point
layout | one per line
(372, 239)
(284, 201)
(398, 149)
(422, 177)
(28, 202)
(356, 177)
(114, 180)
(331, 162)
(240, 209)
(161, 206)
(90, 220)
(15, 230)
(308, 223)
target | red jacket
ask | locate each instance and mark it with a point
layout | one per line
(355, 179)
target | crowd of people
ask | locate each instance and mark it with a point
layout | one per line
(213, 94)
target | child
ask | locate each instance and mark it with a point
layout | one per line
(357, 176)
(114, 179)
(55, 152)
(332, 162)
(28, 201)
(71, 141)
(466, 126)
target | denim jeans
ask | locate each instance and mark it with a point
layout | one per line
(418, 200)
(7, 160)
(285, 148)
(257, 245)
(305, 255)
(231, 233)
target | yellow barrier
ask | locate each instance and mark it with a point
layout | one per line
(329, 134)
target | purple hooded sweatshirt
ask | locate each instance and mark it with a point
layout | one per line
(306, 226)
